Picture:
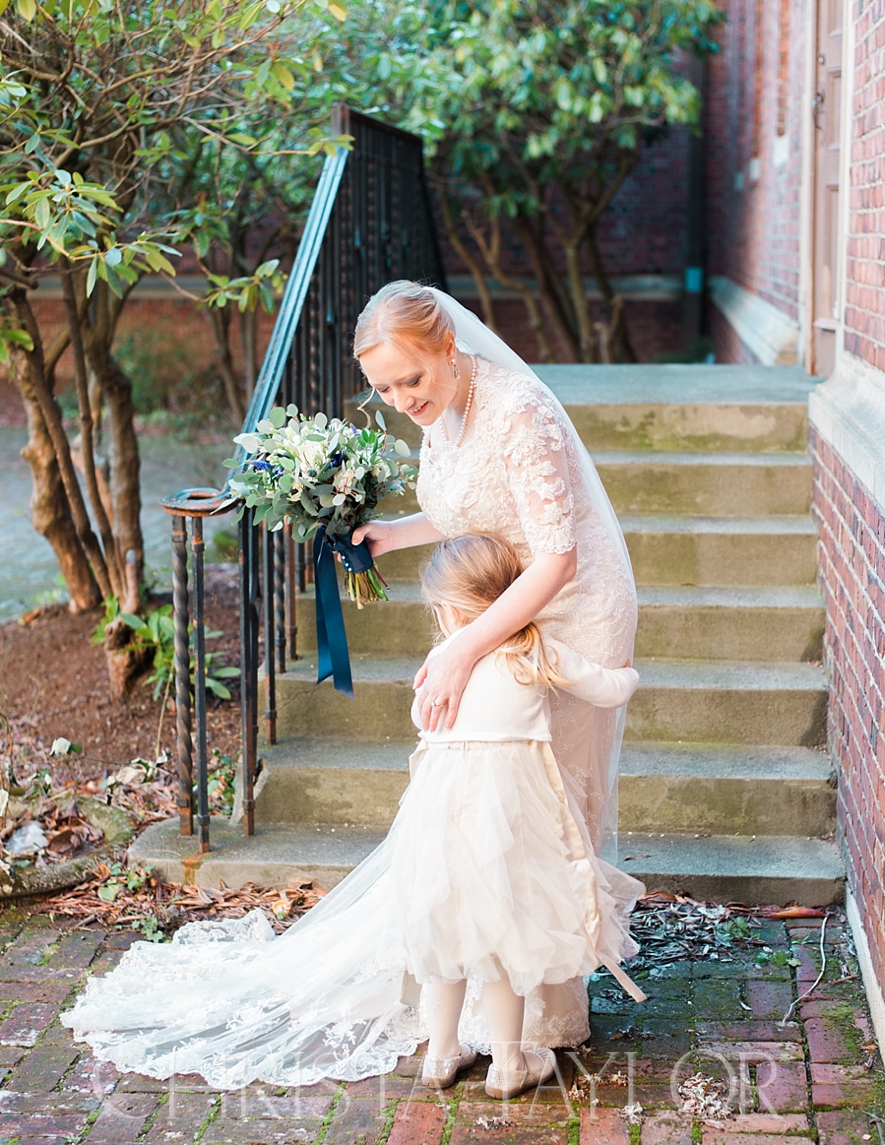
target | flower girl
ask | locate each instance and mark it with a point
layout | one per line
(490, 870)
(486, 887)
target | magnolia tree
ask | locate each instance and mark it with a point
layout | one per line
(127, 128)
(536, 111)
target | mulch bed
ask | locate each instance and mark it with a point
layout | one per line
(54, 683)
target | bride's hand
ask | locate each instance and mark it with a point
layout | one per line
(378, 535)
(440, 683)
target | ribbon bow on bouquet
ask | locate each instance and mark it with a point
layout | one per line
(325, 477)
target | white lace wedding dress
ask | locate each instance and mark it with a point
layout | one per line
(331, 998)
(524, 474)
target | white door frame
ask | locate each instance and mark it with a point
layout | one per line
(807, 191)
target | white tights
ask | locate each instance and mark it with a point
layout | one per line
(504, 1012)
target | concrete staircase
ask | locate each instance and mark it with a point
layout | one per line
(725, 790)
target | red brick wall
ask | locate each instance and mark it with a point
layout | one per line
(865, 279)
(852, 580)
(755, 95)
(851, 523)
(657, 329)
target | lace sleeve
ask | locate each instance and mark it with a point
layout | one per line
(534, 456)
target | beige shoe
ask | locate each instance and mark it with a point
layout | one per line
(504, 1084)
(440, 1073)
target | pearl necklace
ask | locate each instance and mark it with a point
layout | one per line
(471, 391)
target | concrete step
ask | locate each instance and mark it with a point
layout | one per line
(709, 484)
(775, 869)
(761, 551)
(701, 623)
(690, 700)
(691, 550)
(272, 857)
(716, 623)
(736, 868)
(737, 409)
(663, 787)
(725, 788)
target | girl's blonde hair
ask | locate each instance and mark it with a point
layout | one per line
(469, 573)
(405, 313)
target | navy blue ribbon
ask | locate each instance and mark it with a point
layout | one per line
(355, 558)
(333, 658)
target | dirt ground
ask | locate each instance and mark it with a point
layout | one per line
(53, 683)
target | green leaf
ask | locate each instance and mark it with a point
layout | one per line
(109, 892)
(379, 417)
(27, 9)
(277, 417)
(17, 191)
(283, 75)
(43, 214)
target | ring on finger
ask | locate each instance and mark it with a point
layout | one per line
(436, 703)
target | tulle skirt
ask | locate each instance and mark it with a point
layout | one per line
(491, 873)
(485, 868)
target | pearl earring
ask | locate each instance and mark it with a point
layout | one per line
(456, 370)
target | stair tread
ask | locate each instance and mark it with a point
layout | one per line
(291, 845)
(728, 596)
(731, 674)
(714, 596)
(664, 523)
(701, 761)
(725, 761)
(752, 675)
(783, 863)
(773, 523)
(786, 459)
(339, 755)
(677, 384)
(787, 856)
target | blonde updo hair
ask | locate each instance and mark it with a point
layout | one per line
(406, 314)
(469, 573)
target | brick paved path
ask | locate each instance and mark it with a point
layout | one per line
(806, 1078)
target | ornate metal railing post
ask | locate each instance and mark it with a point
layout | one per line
(200, 684)
(193, 504)
(270, 659)
(249, 589)
(181, 620)
(291, 601)
(279, 583)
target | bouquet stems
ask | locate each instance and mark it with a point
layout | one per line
(365, 587)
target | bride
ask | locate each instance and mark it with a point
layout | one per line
(332, 996)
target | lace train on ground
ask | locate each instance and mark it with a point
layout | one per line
(334, 996)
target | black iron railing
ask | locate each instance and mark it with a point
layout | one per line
(370, 222)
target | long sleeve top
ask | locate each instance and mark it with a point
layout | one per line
(495, 706)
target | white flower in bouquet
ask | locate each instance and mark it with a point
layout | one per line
(319, 473)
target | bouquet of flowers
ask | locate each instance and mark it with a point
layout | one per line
(324, 476)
